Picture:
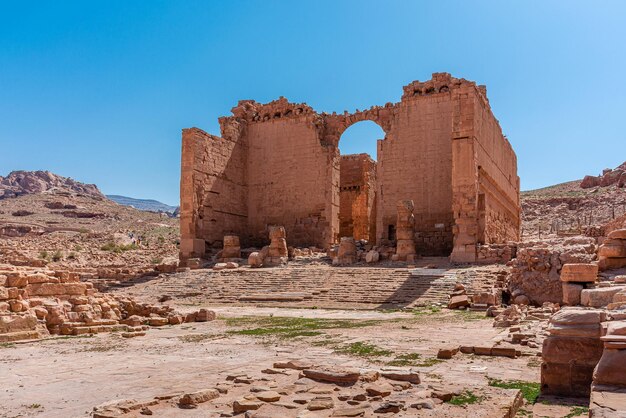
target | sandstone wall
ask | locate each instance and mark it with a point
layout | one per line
(288, 172)
(484, 176)
(213, 191)
(357, 190)
(279, 163)
(415, 163)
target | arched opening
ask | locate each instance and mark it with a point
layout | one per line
(358, 146)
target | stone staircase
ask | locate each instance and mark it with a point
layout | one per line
(306, 284)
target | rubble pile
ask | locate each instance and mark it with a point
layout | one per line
(35, 303)
(612, 252)
(299, 388)
(535, 272)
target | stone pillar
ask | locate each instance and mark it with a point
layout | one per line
(571, 352)
(464, 200)
(405, 231)
(347, 251)
(232, 248)
(277, 252)
(190, 245)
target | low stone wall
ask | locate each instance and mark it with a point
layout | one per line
(495, 253)
(35, 303)
(535, 272)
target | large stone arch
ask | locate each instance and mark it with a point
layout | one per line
(336, 124)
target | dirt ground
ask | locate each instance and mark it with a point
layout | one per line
(68, 376)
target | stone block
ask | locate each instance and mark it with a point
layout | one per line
(599, 297)
(571, 293)
(569, 350)
(618, 234)
(611, 369)
(578, 272)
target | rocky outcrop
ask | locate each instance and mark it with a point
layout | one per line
(19, 183)
(608, 178)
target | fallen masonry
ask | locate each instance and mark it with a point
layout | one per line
(36, 303)
(334, 392)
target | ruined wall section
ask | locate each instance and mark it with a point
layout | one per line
(290, 173)
(484, 177)
(212, 191)
(357, 188)
(497, 173)
(415, 163)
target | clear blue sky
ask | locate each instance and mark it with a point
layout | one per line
(100, 90)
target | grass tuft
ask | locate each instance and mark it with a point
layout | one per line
(466, 398)
(530, 390)
(118, 248)
(362, 349)
(288, 327)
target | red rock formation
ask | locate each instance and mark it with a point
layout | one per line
(19, 183)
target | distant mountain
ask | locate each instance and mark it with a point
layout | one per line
(142, 204)
(18, 183)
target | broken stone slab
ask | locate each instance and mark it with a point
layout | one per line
(577, 316)
(600, 297)
(389, 407)
(333, 376)
(268, 396)
(274, 371)
(320, 403)
(243, 405)
(618, 234)
(293, 364)
(459, 301)
(349, 412)
(447, 353)
(191, 400)
(401, 375)
(382, 389)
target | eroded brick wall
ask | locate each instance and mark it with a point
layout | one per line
(357, 187)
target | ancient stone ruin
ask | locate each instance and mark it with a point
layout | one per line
(279, 163)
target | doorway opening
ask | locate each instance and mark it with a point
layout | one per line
(358, 147)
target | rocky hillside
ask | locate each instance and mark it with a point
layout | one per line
(19, 183)
(47, 219)
(575, 207)
(142, 204)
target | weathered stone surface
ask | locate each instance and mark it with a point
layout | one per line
(381, 389)
(459, 301)
(320, 403)
(571, 293)
(611, 369)
(268, 396)
(401, 375)
(293, 364)
(597, 298)
(191, 400)
(618, 234)
(580, 273)
(333, 376)
(243, 405)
